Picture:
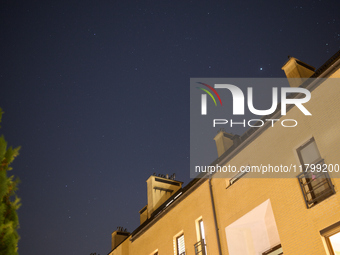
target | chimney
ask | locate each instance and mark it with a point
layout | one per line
(224, 141)
(118, 237)
(159, 190)
(297, 71)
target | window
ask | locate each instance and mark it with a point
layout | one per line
(238, 176)
(254, 233)
(200, 246)
(277, 250)
(201, 228)
(180, 245)
(315, 182)
(332, 238)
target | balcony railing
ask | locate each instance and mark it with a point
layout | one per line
(200, 247)
(316, 184)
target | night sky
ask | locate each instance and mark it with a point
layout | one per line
(97, 95)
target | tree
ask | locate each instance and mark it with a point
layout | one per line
(9, 202)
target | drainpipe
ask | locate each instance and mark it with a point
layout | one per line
(215, 220)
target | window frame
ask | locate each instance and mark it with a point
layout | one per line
(308, 183)
(200, 229)
(271, 250)
(177, 246)
(327, 233)
(200, 246)
(299, 149)
(237, 177)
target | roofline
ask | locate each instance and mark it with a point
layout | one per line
(328, 68)
(312, 68)
(326, 65)
(166, 207)
(119, 244)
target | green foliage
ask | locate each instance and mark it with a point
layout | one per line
(9, 202)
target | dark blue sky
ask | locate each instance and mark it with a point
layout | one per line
(97, 95)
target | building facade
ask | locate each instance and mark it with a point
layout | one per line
(241, 215)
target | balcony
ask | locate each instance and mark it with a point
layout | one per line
(200, 248)
(315, 183)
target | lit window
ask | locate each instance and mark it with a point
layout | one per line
(332, 237)
(335, 242)
(200, 246)
(180, 245)
(201, 227)
(315, 182)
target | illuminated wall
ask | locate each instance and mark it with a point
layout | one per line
(254, 215)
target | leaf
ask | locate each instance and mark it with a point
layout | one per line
(3, 147)
(11, 154)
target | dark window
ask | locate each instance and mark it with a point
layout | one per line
(238, 176)
(315, 182)
(277, 250)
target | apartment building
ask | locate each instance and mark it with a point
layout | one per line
(243, 214)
